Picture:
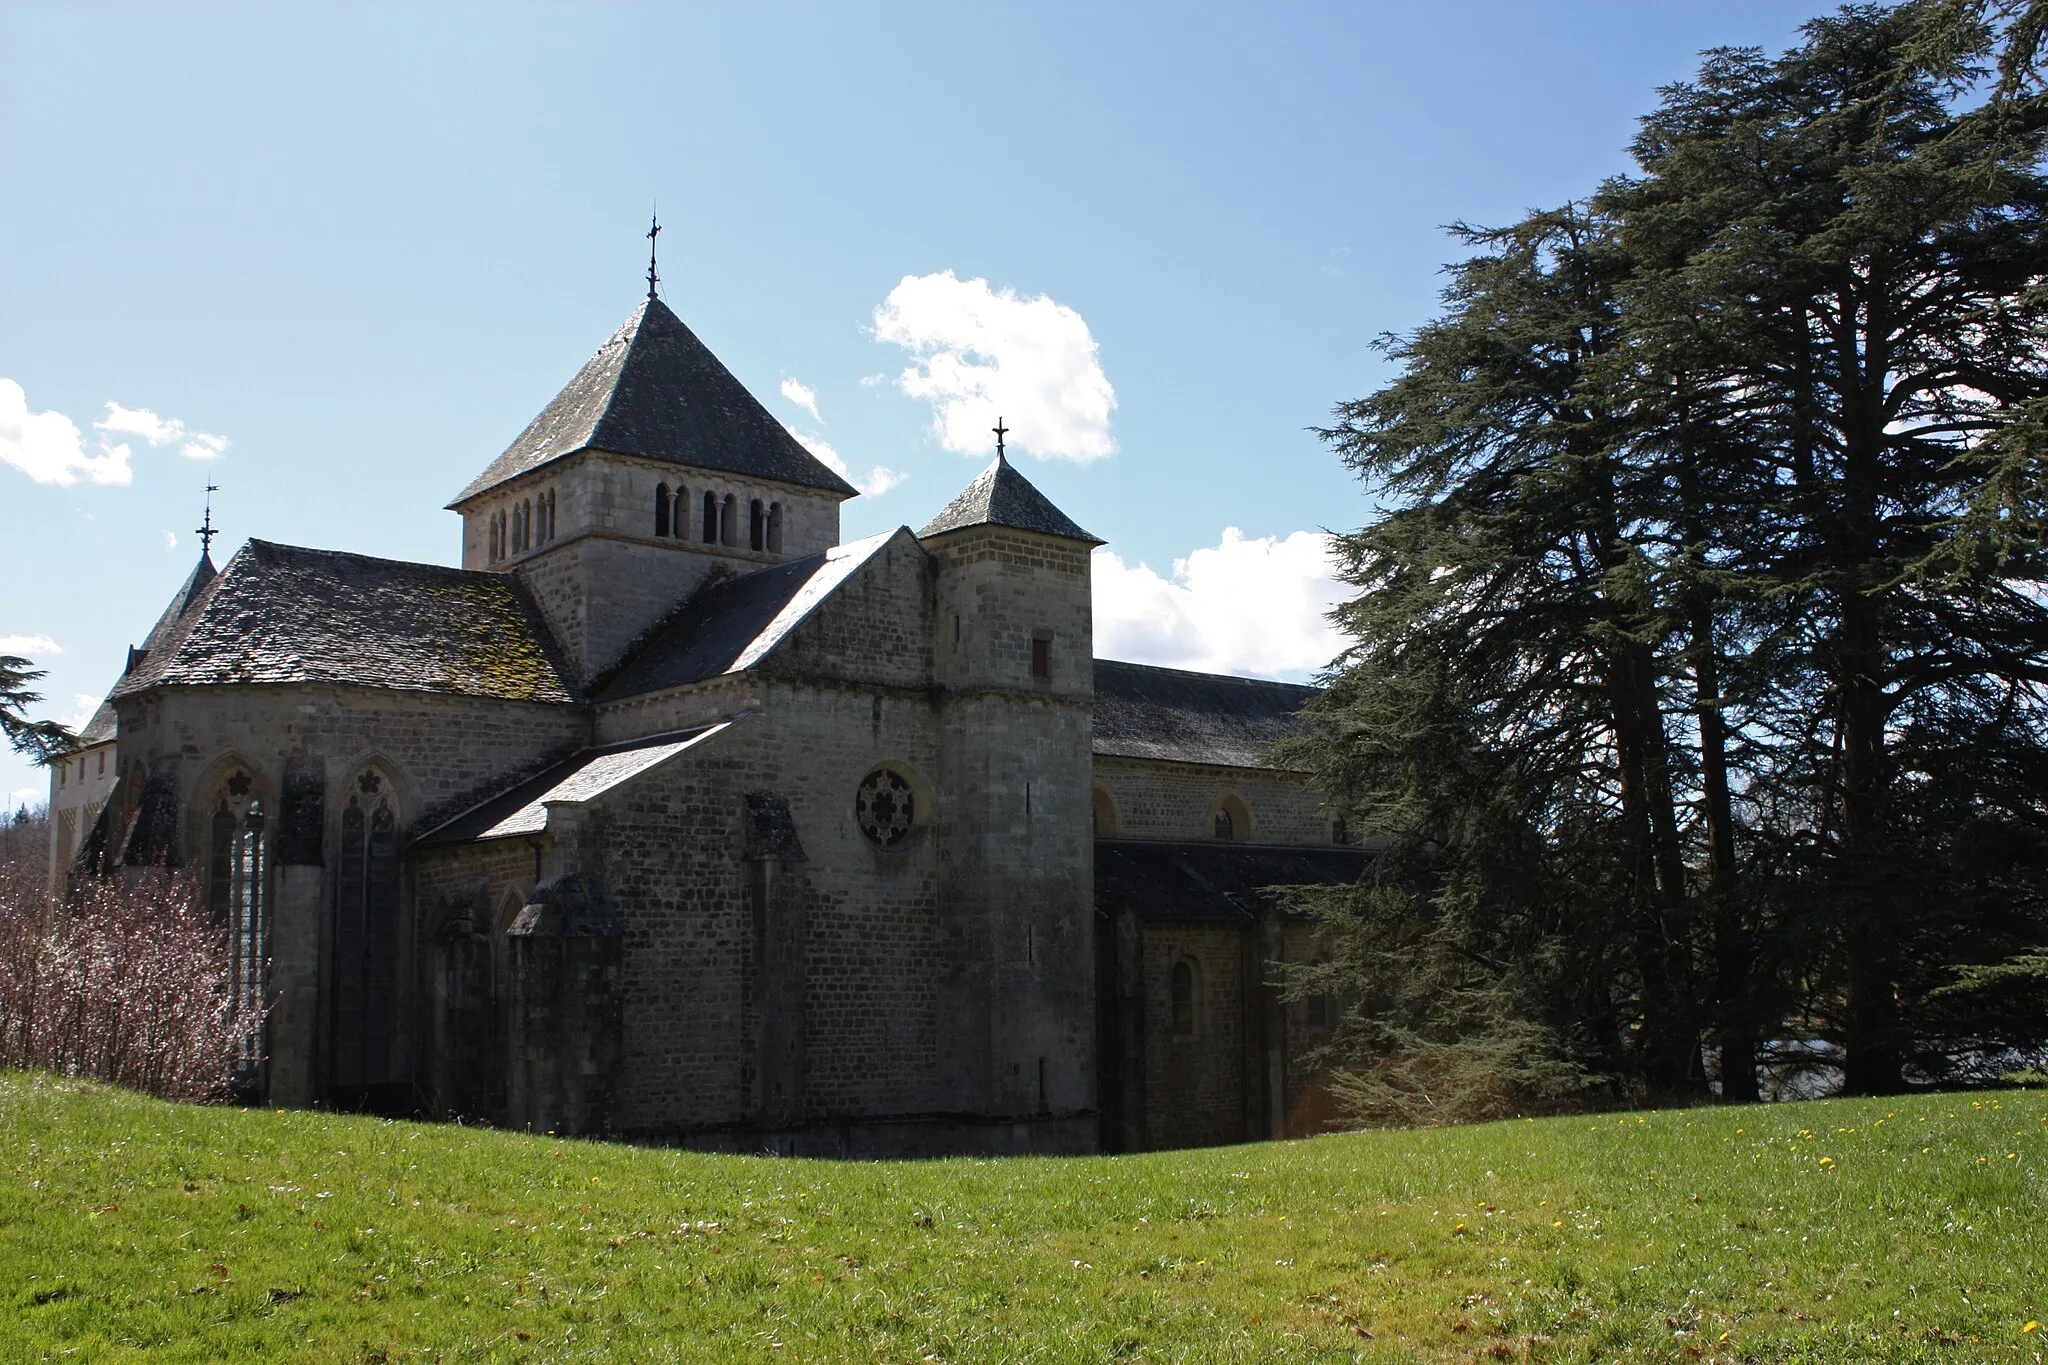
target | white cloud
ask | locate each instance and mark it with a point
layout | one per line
(170, 540)
(1252, 606)
(984, 353)
(161, 431)
(140, 422)
(801, 394)
(30, 646)
(25, 796)
(879, 480)
(83, 704)
(49, 448)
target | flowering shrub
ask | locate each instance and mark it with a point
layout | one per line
(122, 981)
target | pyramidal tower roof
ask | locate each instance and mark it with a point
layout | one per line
(1004, 497)
(656, 391)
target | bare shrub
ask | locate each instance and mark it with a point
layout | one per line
(123, 981)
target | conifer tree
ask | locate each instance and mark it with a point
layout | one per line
(41, 740)
(1697, 667)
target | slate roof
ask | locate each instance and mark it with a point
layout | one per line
(656, 391)
(733, 625)
(284, 614)
(522, 808)
(1214, 883)
(1003, 497)
(1166, 713)
(101, 728)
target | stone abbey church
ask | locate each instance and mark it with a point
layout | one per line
(670, 817)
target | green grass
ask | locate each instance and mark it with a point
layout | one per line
(1909, 1229)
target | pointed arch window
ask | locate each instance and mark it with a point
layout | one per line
(1183, 999)
(757, 526)
(237, 894)
(366, 933)
(775, 528)
(661, 509)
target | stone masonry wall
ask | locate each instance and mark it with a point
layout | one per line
(601, 492)
(442, 753)
(1162, 800)
(1196, 1085)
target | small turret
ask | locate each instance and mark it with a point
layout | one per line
(1014, 654)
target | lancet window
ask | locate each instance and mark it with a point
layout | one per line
(710, 517)
(366, 932)
(237, 894)
(729, 522)
(661, 509)
(1181, 1004)
(757, 526)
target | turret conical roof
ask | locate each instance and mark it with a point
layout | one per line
(1004, 497)
(656, 391)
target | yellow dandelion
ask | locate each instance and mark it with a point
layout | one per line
(2031, 1327)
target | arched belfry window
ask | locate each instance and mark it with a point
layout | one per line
(237, 894)
(710, 517)
(679, 525)
(366, 933)
(757, 526)
(1181, 1004)
(729, 522)
(661, 509)
(775, 528)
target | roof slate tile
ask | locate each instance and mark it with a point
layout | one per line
(656, 391)
(285, 614)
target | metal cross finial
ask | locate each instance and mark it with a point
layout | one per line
(1001, 431)
(653, 232)
(206, 533)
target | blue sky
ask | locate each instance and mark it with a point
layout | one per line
(363, 245)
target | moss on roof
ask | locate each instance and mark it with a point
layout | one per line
(285, 614)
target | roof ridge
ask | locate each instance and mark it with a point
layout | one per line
(1202, 673)
(361, 558)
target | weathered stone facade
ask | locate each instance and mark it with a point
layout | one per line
(654, 823)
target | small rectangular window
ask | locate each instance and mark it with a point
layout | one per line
(1041, 658)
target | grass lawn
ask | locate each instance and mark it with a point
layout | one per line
(1911, 1229)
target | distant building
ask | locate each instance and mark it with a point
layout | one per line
(669, 816)
(79, 783)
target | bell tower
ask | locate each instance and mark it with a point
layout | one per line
(652, 471)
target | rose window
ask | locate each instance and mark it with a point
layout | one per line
(885, 809)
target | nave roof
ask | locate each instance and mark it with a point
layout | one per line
(1142, 711)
